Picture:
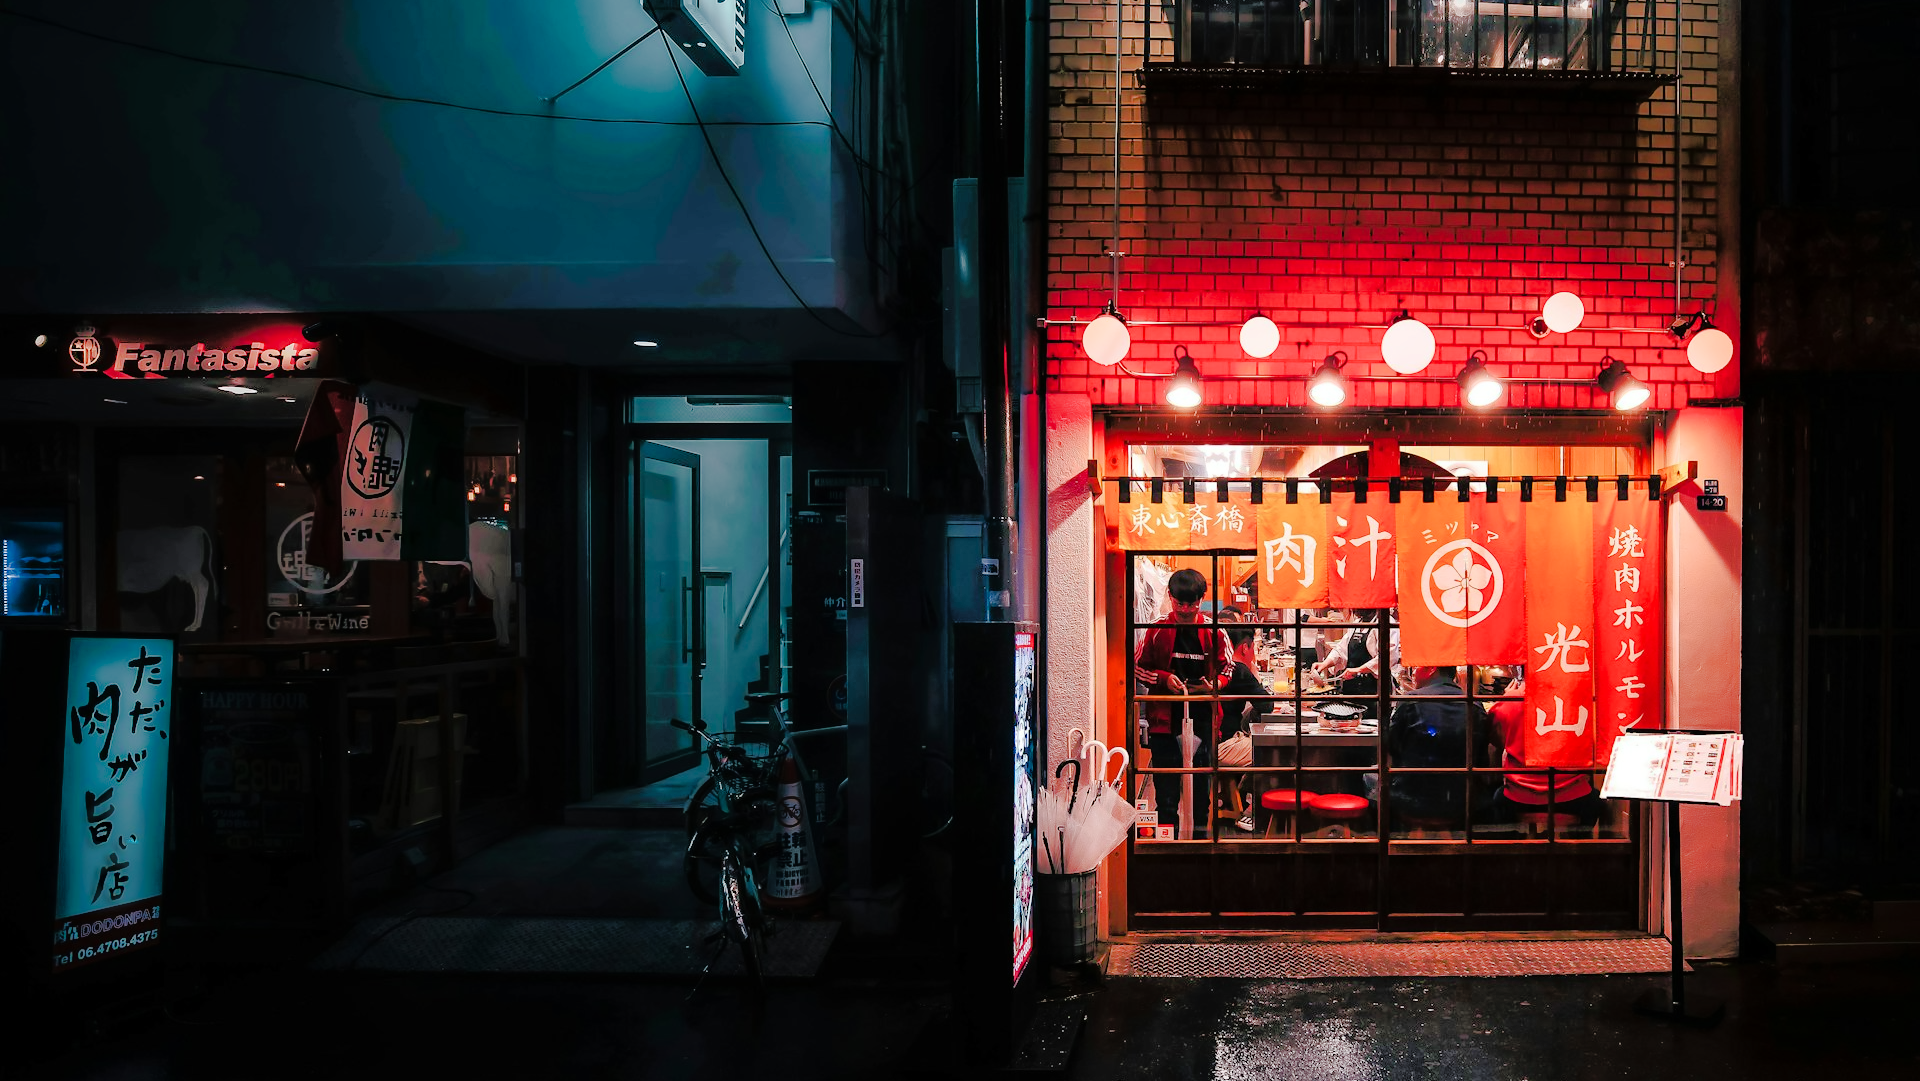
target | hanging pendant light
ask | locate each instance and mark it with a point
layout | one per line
(1106, 339)
(1327, 386)
(1259, 337)
(1623, 391)
(1711, 348)
(1407, 347)
(1183, 390)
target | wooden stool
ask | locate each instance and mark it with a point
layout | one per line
(1336, 812)
(1229, 805)
(1280, 801)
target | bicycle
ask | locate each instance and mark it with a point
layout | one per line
(730, 827)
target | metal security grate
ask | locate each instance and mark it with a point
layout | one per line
(1334, 960)
(636, 947)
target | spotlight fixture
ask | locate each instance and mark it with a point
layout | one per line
(1259, 337)
(1327, 386)
(1711, 348)
(39, 341)
(1624, 391)
(1478, 386)
(1183, 390)
(1407, 347)
(1562, 313)
(235, 388)
(1106, 339)
(646, 344)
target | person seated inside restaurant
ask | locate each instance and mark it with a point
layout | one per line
(1236, 714)
(1523, 793)
(1181, 655)
(1430, 731)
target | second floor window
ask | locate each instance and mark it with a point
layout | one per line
(1573, 35)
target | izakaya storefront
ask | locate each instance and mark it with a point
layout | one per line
(1370, 671)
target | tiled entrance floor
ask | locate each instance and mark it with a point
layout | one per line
(1294, 960)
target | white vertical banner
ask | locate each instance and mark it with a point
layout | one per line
(371, 479)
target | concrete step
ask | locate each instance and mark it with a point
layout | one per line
(1826, 943)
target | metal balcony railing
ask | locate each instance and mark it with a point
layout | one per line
(1572, 37)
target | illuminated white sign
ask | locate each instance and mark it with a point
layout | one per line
(113, 797)
(713, 33)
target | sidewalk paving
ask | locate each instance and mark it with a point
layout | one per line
(885, 1012)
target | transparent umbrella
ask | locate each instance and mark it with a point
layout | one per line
(1188, 743)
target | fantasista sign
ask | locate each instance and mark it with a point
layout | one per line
(277, 349)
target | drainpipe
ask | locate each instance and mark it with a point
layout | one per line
(1035, 221)
(990, 105)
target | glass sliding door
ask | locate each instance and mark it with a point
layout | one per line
(665, 611)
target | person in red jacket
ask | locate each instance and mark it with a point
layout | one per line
(1521, 793)
(1181, 655)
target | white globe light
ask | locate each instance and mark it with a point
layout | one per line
(1259, 337)
(1407, 347)
(1710, 350)
(1563, 312)
(1106, 340)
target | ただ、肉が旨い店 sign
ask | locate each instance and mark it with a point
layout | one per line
(113, 797)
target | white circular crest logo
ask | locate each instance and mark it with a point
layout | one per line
(84, 351)
(292, 555)
(1461, 583)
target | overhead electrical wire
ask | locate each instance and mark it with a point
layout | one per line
(866, 196)
(746, 215)
(571, 87)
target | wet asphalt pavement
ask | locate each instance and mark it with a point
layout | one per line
(1856, 1022)
(882, 1012)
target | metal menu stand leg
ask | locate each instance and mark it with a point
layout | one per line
(1673, 1003)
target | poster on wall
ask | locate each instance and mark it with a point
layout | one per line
(371, 488)
(113, 797)
(256, 768)
(1023, 802)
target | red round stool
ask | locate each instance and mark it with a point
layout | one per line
(1336, 812)
(1281, 801)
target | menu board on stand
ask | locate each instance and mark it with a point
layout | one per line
(1675, 766)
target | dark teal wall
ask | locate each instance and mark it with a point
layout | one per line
(134, 181)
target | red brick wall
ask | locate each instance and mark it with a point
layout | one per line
(1330, 212)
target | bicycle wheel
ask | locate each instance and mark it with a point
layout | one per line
(702, 805)
(740, 913)
(701, 867)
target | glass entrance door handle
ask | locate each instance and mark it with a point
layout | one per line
(686, 618)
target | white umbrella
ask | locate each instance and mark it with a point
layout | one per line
(1102, 817)
(1106, 819)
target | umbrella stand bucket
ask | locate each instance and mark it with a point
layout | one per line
(1068, 911)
